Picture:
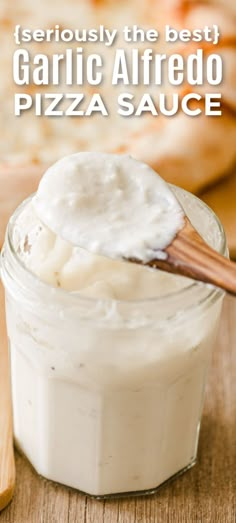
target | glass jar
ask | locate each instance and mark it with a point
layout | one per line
(108, 395)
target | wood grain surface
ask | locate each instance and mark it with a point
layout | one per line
(205, 494)
(7, 464)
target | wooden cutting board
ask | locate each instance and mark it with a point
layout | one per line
(7, 465)
(16, 183)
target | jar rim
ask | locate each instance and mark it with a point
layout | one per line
(212, 294)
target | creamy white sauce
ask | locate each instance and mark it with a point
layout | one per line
(61, 264)
(109, 204)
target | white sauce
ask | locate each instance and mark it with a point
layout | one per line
(109, 204)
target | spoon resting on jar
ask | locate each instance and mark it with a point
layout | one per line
(189, 255)
(115, 206)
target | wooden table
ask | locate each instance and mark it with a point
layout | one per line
(205, 494)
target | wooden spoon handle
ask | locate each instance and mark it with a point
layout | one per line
(188, 255)
(7, 464)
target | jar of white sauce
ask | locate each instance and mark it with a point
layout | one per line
(108, 394)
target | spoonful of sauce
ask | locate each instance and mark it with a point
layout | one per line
(115, 206)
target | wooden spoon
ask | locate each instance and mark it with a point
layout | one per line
(7, 464)
(189, 255)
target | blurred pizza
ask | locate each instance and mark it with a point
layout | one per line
(192, 152)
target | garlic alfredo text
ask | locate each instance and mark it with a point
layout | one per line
(124, 69)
